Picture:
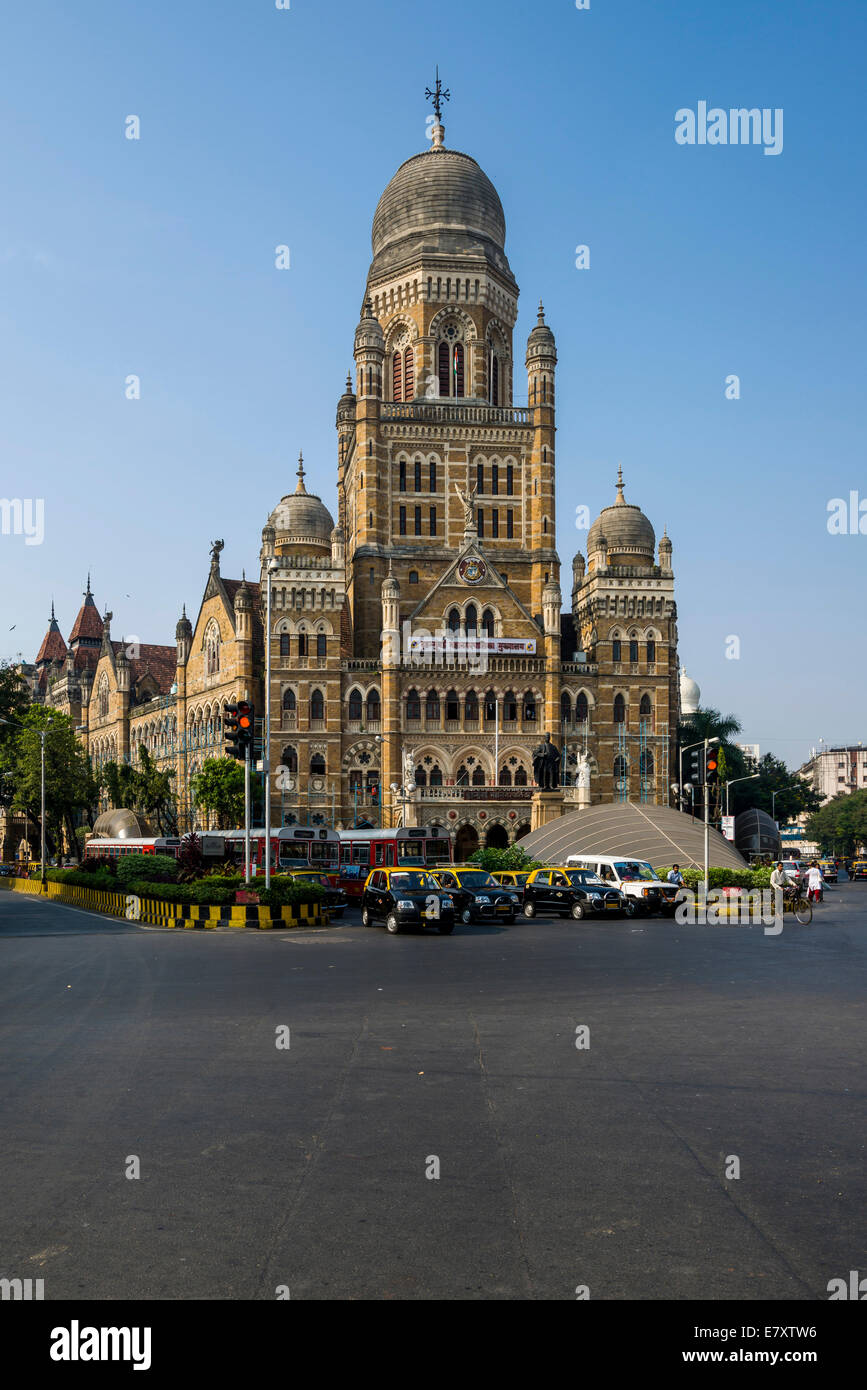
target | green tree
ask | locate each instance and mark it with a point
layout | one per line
(840, 826)
(783, 794)
(70, 786)
(511, 858)
(219, 788)
(145, 788)
(710, 723)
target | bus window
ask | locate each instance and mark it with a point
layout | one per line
(345, 852)
(380, 854)
(438, 852)
(361, 853)
(410, 854)
(390, 856)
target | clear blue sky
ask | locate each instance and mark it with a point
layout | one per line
(261, 126)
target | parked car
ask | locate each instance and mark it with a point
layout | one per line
(335, 898)
(7, 870)
(516, 879)
(478, 897)
(404, 898)
(795, 871)
(635, 878)
(571, 892)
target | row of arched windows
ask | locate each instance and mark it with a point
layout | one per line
(509, 704)
(303, 644)
(581, 708)
(617, 650)
(471, 620)
(451, 372)
(645, 709)
(646, 766)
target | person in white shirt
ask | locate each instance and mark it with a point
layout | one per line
(815, 881)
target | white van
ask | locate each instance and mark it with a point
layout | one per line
(635, 878)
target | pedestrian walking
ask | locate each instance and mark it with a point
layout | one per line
(815, 882)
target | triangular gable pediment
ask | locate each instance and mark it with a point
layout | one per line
(215, 588)
(459, 576)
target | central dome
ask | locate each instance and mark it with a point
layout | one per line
(301, 518)
(439, 203)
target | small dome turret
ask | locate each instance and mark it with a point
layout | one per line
(629, 536)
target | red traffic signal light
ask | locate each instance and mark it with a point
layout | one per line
(232, 733)
(712, 766)
(246, 718)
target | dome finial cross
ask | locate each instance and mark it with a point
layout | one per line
(438, 96)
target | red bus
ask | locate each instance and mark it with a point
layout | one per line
(417, 847)
(292, 847)
(113, 849)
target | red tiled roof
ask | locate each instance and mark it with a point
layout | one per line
(88, 623)
(86, 657)
(160, 663)
(53, 646)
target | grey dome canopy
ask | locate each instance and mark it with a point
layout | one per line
(624, 526)
(658, 834)
(302, 517)
(439, 203)
(121, 825)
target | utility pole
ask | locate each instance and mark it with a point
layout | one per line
(247, 815)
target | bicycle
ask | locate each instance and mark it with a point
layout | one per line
(800, 906)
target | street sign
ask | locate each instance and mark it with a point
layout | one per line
(728, 827)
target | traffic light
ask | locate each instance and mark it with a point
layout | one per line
(232, 731)
(695, 767)
(711, 772)
(245, 728)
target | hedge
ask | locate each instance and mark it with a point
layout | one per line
(100, 879)
(723, 878)
(286, 890)
(146, 868)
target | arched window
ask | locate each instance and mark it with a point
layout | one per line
(317, 765)
(645, 709)
(432, 476)
(490, 705)
(436, 776)
(619, 768)
(289, 701)
(651, 650)
(472, 618)
(463, 777)
(321, 644)
(103, 698)
(615, 649)
(373, 706)
(212, 650)
(432, 706)
(302, 644)
(530, 706)
(520, 777)
(454, 620)
(413, 576)
(510, 705)
(396, 378)
(582, 708)
(420, 777)
(417, 472)
(290, 761)
(633, 651)
(619, 710)
(488, 623)
(495, 379)
(284, 644)
(443, 368)
(566, 707)
(402, 476)
(413, 705)
(408, 376)
(453, 707)
(505, 777)
(458, 367)
(355, 705)
(478, 777)
(646, 763)
(317, 705)
(471, 705)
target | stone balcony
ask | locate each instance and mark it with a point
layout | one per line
(455, 413)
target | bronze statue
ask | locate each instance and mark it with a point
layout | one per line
(546, 764)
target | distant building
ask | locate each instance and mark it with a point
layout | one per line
(837, 770)
(751, 751)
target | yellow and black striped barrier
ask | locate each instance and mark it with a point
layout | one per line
(164, 914)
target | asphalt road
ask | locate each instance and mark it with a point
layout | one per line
(306, 1167)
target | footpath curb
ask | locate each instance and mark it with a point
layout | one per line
(165, 914)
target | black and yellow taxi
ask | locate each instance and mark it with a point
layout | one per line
(575, 893)
(512, 878)
(829, 870)
(859, 868)
(478, 897)
(335, 898)
(404, 898)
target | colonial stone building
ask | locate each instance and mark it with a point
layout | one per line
(419, 650)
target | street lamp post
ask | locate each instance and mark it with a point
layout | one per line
(751, 778)
(266, 748)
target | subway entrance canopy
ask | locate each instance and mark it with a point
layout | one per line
(656, 833)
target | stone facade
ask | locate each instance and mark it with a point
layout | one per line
(418, 647)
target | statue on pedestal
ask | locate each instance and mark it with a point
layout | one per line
(546, 764)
